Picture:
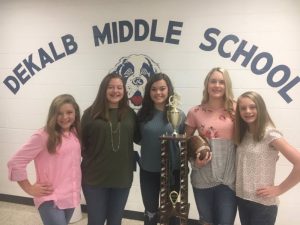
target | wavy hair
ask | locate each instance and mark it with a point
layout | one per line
(53, 129)
(263, 118)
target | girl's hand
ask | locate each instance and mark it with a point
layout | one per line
(37, 189)
(201, 163)
(268, 192)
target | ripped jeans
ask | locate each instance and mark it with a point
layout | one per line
(150, 189)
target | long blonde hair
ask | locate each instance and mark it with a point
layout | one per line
(263, 118)
(53, 129)
(228, 97)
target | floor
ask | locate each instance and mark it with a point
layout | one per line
(18, 214)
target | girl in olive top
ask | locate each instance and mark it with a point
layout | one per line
(108, 131)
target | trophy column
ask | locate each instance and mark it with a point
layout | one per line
(172, 203)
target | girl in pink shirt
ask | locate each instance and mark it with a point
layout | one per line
(55, 150)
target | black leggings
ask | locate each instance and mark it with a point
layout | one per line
(150, 189)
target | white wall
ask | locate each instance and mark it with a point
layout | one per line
(26, 26)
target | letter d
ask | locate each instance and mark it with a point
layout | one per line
(12, 83)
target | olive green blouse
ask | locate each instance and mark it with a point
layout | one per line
(107, 150)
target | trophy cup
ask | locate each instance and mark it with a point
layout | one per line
(173, 114)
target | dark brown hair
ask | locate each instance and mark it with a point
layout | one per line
(146, 112)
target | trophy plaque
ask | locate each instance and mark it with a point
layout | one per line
(173, 203)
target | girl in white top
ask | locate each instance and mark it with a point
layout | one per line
(259, 144)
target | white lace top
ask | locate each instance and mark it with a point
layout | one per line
(256, 165)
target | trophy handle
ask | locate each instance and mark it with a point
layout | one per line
(174, 197)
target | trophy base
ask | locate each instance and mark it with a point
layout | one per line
(174, 203)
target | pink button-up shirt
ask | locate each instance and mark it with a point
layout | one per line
(61, 169)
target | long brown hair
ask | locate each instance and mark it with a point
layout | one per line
(100, 106)
(262, 121)
(53, 129)
(228, 97)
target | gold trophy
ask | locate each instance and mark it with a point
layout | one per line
(173, 203)
(173, 114)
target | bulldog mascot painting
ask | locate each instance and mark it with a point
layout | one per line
(136, 70)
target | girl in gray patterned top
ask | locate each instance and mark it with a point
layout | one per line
(213, 178)
(259, 144)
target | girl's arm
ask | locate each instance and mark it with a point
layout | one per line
(189, 130)
(28, 152)
(292, 155)
(18, 163)
(36, 190)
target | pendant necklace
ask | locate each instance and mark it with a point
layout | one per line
(112, 132)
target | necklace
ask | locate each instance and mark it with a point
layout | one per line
(112, 132)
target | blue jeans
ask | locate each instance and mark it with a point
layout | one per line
(51, 215)
(105, 204)
(252, 213)
(216, 205)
